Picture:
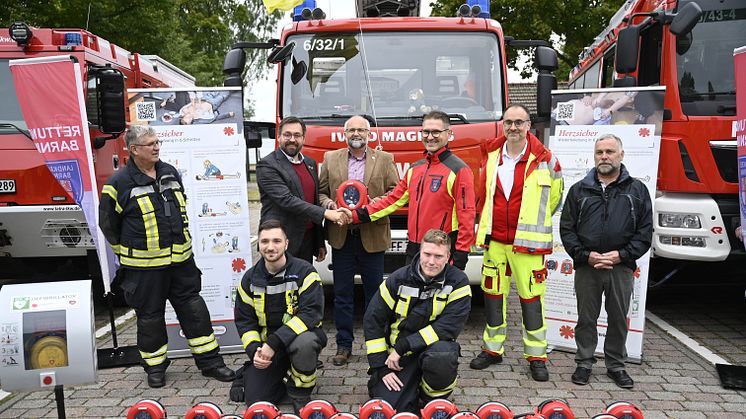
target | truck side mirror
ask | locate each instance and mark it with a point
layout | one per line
(254, 132)
(546, 61)
(627, 49)
(281, 55)
(685, 19)
(110, 100)
(233, 65)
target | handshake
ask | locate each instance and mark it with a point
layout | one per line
(339, 216)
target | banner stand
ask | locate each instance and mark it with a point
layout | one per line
(116, 356)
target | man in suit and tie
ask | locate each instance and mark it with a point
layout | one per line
(356, 248)
(289, 191)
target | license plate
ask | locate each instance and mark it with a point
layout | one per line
(7, 185)
(398, 246)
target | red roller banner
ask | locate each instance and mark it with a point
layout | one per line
(739, 61)
(50, 95)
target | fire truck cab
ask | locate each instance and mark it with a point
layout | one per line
(395, 66)
(39, 222)
(686, 46)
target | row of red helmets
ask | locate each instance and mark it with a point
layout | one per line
(380, 409)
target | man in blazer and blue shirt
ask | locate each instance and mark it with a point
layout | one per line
(356, 248)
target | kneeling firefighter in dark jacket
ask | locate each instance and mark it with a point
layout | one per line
(411, 326)
(279, 307)
(606, 225)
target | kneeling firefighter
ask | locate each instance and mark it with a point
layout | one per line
(411, 326)
(279, 307)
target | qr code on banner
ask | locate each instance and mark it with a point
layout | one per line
(565, 111)
(145, 111)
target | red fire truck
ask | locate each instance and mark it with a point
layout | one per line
(395, 67)
(40, 225)
(686, 46)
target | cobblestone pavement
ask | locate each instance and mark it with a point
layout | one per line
(671, 382)
(713, 316)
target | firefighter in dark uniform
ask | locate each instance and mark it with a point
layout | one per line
(144, 218)
(411, 327)
(279, 307)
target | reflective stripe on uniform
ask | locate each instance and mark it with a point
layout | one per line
(302, 380)
(149, 221)
(494, 338)
(375, 346)
(155, 358)
(141, 190)
(250, 336)
(462, 292)
(428, 335)
(245, 296)
(297, 325)
(431, 392)
(109, 190)
(202, 344)
(386, 295)
(309, 280)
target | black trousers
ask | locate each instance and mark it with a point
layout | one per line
(146, 291)
(429, 375)
(293, 369)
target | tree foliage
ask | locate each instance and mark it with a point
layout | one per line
(575, 22)
(193, 35)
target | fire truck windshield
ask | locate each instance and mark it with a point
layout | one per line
(704, 59)
(395, 75)
(10, 111)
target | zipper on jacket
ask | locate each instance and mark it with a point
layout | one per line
(443, 223)
(419, 203)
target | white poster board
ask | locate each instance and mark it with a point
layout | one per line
(579, 117)
(201, 133)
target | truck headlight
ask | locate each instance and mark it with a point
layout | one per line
(679, 220)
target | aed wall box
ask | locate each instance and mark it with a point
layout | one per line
(47, 335)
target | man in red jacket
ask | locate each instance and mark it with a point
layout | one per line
(440, 193)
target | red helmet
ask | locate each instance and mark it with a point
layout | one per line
(465, 415)
(376, 409)
(494, 410)
(624, 410)
(230, 417)
(204, 410)
(438, 409)
(344, 415)
(556, 409)
(318, 409)
(405, 415)
(146, 409)
(287, 416)
(261, 410)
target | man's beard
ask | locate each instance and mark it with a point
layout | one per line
(292, 153)
(356, 143)
(607, 169)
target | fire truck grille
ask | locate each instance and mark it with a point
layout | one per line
(726, 161)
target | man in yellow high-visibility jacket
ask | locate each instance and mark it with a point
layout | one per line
(521, 187)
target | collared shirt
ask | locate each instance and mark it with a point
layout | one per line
(506, 170)
(356, 167)
(293, 160)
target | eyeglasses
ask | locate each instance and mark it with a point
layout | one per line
(518, 123)
(153, 144)
(289, 135)
(433, 132)
(357, 130)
